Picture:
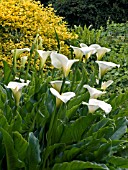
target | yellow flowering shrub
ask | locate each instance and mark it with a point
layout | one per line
(21, 20)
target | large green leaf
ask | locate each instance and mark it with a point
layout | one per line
(103, 150)
(119, 162)
(16, 123)
(121, 128)
(7, 73)
(33, 152)
(119, 100)
(3, 97)
(73, 132)
(13, 162)
(77, 100)
(20, 145)
(78, 165)
(72, 111)
(49, 150)
(3, 122)
(95, 127)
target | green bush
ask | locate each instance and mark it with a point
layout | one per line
(91, 12)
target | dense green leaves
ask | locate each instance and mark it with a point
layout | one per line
(78, 165)
(13, 163)
(33, 152)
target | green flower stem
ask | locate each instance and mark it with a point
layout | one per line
(74, 77)
(29, 60)
(51, 127)
(14, 63)
(100, 81)
(63, 83)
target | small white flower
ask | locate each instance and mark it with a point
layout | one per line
(94, 93)
(57, 84)
(16, 88)
(94, 104)
(105, 66)
(20, 51)
(43, 56)
(84, 50)
(104, 85)
(61, 61)
(23, 60)
(96, 46)
(64, 97)
(101, 52)
(83, 45)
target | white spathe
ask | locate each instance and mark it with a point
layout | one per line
(84, 50)
(43, 56)
(64, 97)
(94, 104)
(61, 61)
(23, 60)
(19, 51)
(96, 46)
(57, 84)
(16, 88)
(105, 66)
(106, 84)
(101, 52)
(94, 93)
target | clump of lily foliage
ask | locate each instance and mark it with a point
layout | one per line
(62, 118)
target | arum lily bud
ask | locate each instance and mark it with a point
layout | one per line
(64, 97)
(105, 66)
(61, 61)
(94, 104)
(94, 93)
(16, 88)
(23, 61)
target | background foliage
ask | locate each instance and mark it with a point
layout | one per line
(90, 12)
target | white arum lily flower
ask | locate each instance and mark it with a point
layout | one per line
(94, 93)
(61, 61)
(96, 46)
(101, 52)
(84, 50)
(43, 56)
(23, 60)
(57, 84)
(92, 49)
(94, 104)
(105, 66)
(16, 88)
(64, 97)
(20, 51)
(83, 45)
(106, 84)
